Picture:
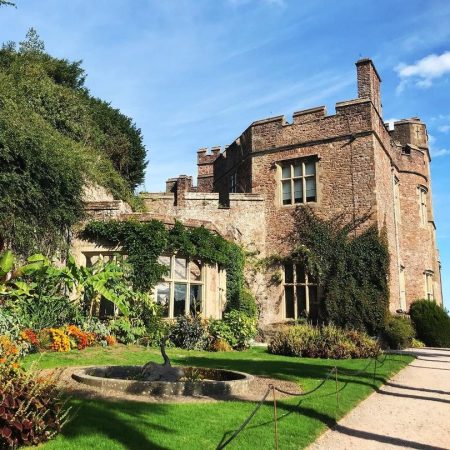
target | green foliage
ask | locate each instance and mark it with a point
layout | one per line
(398, 332)
(190, 333)
(221, 330)
(144, 242)
(351, 268)
(126, 330)
(323, 342)
(242, 327)
(53, 141)
(432, 323)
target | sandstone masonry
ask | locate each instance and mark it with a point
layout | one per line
(348, 163)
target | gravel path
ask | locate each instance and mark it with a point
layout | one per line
(411, 411)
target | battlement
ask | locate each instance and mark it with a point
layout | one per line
(207, 155)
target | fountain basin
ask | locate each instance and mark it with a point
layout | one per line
(200, 382)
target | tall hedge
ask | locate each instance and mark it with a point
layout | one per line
(432, 323)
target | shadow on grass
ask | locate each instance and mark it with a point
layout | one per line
(105, 419)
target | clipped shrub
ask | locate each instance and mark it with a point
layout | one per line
(323, 342)
(416, 343)
(190, 333)
(220, 345)
(398, 332)
(242, 327)
(432, 323)
(31, 411)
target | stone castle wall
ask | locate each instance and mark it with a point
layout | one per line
(357, 159)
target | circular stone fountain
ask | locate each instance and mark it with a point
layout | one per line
(197, 381)
(164, 379)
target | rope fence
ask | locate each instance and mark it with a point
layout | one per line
(274, 389)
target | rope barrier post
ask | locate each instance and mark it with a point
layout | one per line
(375, 370)
(337, 387)
(275, 418)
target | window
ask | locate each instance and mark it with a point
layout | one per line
(180, 292)
(397, 211)
(429, 289)
(233, 183)
(298, 182)
(301, 294)
(423, 204)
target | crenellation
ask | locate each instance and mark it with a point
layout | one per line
(358, 167)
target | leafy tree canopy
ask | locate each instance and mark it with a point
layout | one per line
(54, 139)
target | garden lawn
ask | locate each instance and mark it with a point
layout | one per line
(131, 425)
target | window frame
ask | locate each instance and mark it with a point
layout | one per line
(429, 285)
(233, 183)
(423, 204)
(302, 177)
(305, 285)
(172, 281)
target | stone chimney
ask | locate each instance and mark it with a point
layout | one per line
(369, 82)
(184, 184)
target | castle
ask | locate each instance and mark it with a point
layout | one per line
(348, 163)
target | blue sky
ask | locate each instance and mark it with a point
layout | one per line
(196, 73)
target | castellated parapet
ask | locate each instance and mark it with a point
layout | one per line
(347, 163)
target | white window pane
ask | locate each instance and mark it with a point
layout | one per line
(163, 297)
(298, 191)
(180, 269)
(179, 300)
(297, 169)
(195, 270)
(195, 302)
(310, 168)
(310, 189)
(286, 172)
(286, 192)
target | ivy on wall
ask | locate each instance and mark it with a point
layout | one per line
(144, 242)
(351, 267)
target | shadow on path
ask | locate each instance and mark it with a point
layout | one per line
(385, 439)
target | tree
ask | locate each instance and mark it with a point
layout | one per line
(7, 3)
(54, 139)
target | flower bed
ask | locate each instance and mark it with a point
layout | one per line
(61, 339)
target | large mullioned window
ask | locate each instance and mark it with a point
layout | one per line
(301, 296)
(181, 291)
(298, 182)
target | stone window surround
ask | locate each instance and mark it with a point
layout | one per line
(279, 178)
(295, 284)
(429, 284)
(422, 192)
(172, 280)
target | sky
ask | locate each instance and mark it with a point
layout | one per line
(196, 73)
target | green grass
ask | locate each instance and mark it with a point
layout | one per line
(132, 425)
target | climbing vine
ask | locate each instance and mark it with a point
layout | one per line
(144, 242)
(352, 268)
